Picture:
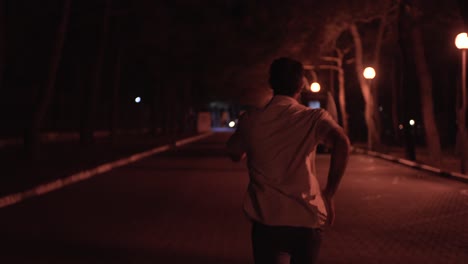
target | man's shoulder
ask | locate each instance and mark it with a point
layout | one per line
(309, 111)
(317, 111)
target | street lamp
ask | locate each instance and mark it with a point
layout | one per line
(461, 41)
(369, 73)
(315, 87)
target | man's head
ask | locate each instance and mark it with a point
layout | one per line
(286, 76)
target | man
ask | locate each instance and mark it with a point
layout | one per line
(284, 200)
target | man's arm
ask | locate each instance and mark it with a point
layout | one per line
(340, 146)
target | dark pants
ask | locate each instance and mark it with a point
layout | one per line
(285, 244)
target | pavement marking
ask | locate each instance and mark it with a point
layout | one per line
(459, 175)
(407, 162)
(455, 175)
(86, 174)
(386, 156)
(191, 139)
(430, 168)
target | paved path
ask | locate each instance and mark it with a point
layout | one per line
(184, 206)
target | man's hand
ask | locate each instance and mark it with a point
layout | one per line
(235, 147)
(330, 206)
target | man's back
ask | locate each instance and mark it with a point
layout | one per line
(281, 141)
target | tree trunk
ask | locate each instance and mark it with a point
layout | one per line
(425, 85)
(3, 40)
(405, 80)
(116, 95)
(331, 106)
(167, 108)
(185, 103)
(395, 99)
(373, 139)
(154, 117)
(157, 105)
(32, 136)
(374, 85)
(338, 60)
(87, 132)
(342, 96)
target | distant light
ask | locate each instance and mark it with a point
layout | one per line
(315, 87)
(369, 73)
(412, 122)
(314, 104)
(137, 100)
(400, 127)
(232, 124)
(461, 41)
(380, 108)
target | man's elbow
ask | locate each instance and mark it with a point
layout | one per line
(342, 143)
(236, 157)
(235, 151)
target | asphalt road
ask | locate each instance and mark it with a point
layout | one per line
(185, 206)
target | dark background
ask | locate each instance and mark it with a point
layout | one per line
(181, 55)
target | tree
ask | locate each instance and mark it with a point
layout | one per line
(411, 14)
(373, 135)
(3, 40)
(338, 67)
(92, 91)
(32, 138)
(114, 116)
(347, 18)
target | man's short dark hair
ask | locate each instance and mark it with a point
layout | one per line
(286, 76)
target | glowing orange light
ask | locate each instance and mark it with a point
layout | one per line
(461, 41)
(369, 73)
(315, 87)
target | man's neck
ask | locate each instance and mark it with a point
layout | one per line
(295, 96)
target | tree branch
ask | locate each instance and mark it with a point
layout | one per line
(332, 59)
(330, 67)
(350, 61)
(322, 67)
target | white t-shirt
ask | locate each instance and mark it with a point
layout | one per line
(280, 142)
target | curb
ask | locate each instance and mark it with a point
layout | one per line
(86, 174)
(447, 174)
